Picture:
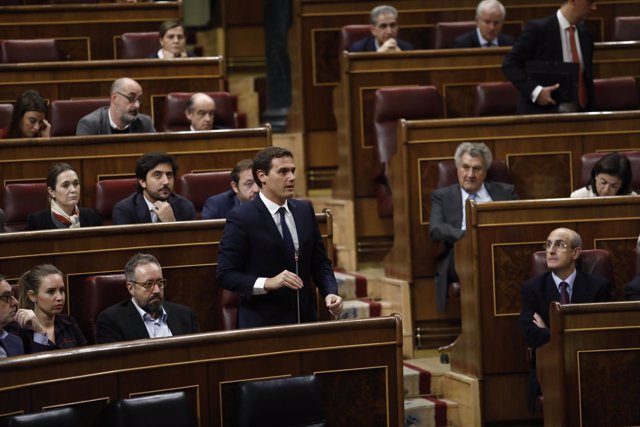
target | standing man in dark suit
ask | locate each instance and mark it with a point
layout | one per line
(155, 200)
(562, 37)
(447, 220)
(490, 15)
(146, 314)
(243, 189)
(562, 283)
(384, 33)
(271, 250)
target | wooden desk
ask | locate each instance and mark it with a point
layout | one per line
(98, 24)
(358, 363)
(588, 367)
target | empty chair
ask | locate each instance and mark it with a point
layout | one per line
(447, 32)
(615, 94)
(67, 417)
(626, 28)
(168, 409)
(64, 115)
(97, 293)
(109, 192)
(589, 160)
(176, 102)
(496, 99)
(197, 187)
(33, 50)
(18, 200)
(260, 403)
(351, 34)
(138, 45)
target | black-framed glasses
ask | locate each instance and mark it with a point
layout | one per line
(149, 284)
(559, 245)
(132, 98)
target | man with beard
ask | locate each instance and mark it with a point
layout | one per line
(10, 314)
(121, 116)
(155, 200)
(146, 314)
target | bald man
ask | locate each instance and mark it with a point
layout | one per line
(200, 111)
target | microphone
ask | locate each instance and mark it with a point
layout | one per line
(295, 257)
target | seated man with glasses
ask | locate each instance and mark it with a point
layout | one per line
(146, 314)
(121, 116)
(562, 283)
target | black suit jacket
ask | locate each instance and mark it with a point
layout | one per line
(134, 210)
(97, 123)
(470, 39)
(219, 205)
(41, 220)
(252, 247)
(632, 290)
(541, 41)
(445, 224)
(368, 44)
(122, 322)
(12, 345)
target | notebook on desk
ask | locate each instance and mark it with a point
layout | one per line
(548, 73)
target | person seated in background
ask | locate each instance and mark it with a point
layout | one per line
(384, 33)
(10, 345)
(154, 201)
(146, 314)
(447, 220)
(173, 42)
(243, 189)
(610, 176)
(200, 111)
(63, 186)
(121, 116)
(490, 15)
(29, 117)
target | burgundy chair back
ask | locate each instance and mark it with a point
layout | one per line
(176, 102)
(227, 310)
(18, 200)
(626, 28)
(98, 293)
(138, 45)
(65, 114)
(496, 99)
(447, 173)
(6, 111)
(447, 32)
(109, 192)
(616, 94)
(33, 50)
(592, 261)
(197, 187)
(349, 34)
(589, 160)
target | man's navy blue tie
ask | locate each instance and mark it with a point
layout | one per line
(289, 247)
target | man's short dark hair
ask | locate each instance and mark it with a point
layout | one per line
(168, 25)
(262, 160)
(148, 161)
(241, 166)
(135, 261)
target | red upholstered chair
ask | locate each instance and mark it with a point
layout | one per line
(97, 293)
(227, 310)
(197, 187)
(175, 103)
(447, 173)
(615, 94)
(138, 45)
(592, 261)
(626, 28)
(495, 99)
(351, 34)
(109, 192)
(18, 200)
(391, 104)
(64, 115)
(589, 160)
(447, 32)
(6, 110)
(33, 50)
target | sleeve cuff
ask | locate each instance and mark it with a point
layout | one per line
(258, 286)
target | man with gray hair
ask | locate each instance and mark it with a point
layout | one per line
(447, 220)
(384, 33)
(490, 15)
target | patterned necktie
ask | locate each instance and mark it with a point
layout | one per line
(473, 196)
(582, 90)
(564, 293)
(289, 247)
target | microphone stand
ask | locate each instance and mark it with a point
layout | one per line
(295, 257)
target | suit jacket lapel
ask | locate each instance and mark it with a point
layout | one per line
(456, 206)
(579, 292)
(271, 227)
(142, 211)
(138, 329)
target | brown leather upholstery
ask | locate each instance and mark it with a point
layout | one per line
(351, 34)
(175, 104)
(197, 187)
(64, 115)
(391, 104)
(227, 310)
(592, 261)
(626, 28)
(6, 110)
(18, 200)
(33, 50)
(496, 99)
(447, 32)
(139, 45)
(589, 160)
(98, 293)
(447, 173)
(615, 94)
(109, 192)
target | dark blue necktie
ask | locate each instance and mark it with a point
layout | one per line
(290, 249)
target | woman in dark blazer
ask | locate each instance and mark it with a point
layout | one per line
(63, 186)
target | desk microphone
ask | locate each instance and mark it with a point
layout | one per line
(295, 257)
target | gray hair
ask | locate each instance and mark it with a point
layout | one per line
(474, 149)
(379, 10)
(135, 261)
(490, 6)
(576, 240)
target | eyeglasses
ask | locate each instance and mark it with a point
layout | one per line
(149, 284)
(132, 98)
(559, 245)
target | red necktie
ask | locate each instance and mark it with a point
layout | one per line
(564, 293)
(582, 90)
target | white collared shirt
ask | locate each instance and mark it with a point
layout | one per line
(484, 41)
(161, 55)
(482, 196)
(155, 327)
(569, 281)
(112, 123)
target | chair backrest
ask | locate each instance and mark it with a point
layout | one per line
(496, 99)
(168, 409)
(98, 293)
(51, 418)
(109, 192)
(6, 111)
(615, 94)
(447, 32)
(18, 200)
(626, 28)
(138, 45)
(592, 261)
(197, 187)
(351, 34)
(260, 403)
(227, 310)
(64, 114)
(33, 50)
(175, 103)
(447, 173)
(589, 160)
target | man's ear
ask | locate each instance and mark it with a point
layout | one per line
(576, 253)
(143, 183)
(234, 187)
(130, 288)
(262, 177)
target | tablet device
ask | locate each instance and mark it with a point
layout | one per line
(548, 73)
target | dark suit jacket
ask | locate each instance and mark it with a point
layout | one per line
(97, 123)
(134, 210)
(536, 295)
(41, 220)
(445, 222)
(368, 44)
(12, 345)
(632, 290)
(252, 247)
(541, 41)
(470, 39)
(219, 205)
(122, 322)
